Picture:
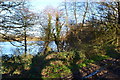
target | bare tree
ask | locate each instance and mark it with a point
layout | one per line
(16, 22)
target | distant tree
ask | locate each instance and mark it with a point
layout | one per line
(58, 30)
(52, 31)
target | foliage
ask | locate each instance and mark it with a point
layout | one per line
(11, 64)
(99, 57)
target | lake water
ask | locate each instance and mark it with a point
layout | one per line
(33, 47)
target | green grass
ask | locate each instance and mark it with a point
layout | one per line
(61, 63)
(60, 68)
(56, 69)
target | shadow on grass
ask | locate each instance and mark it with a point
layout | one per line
(75, 68)
(39, 62)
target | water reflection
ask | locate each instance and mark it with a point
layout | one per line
(33, 47)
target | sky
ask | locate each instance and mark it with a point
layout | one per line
(38, 5)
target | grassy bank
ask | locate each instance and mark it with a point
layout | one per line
(53, 65)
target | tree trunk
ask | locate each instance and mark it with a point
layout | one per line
(25, 41)
(66, 12)
(84, 15)
(75, 15)
(117, 30)
(118, 12)
(46, 47)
